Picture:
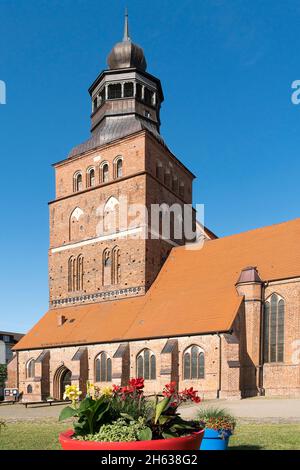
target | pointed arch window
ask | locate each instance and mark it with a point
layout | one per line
(106, 268)
(193, 363)
(77, 182)
(75, 273)
(103, 368)
(273, 346)
(146, 365)
(116, 266)
(104, 173)
(91, 177)
(30, 369)
(181, 189)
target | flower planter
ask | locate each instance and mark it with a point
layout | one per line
(213, 440)
(191, 442)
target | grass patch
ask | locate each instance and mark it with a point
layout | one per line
(43, 435)
(37, 435)
(266, 437)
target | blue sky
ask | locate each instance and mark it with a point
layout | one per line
(226, 68)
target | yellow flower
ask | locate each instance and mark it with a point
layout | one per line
(72, 392)
(106, 391)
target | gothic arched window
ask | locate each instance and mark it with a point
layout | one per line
(106, 267)
(146, 365)
(274, 329)
(75, 273)
(116, 266)
(103, 368)
(104, 173)
(91, 177)
(77, 182)
(30, 369)
(193, 363)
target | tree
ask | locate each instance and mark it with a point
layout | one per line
(3, 374)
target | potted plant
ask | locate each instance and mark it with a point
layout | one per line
(219, 425)
(122, 418)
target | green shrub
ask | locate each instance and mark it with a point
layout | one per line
(119, 431)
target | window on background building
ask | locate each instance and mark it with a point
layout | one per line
(274, 329)
(77, 182)
(103, 368)
(29, 388)
(193, 363)
(30, 369)
(146, 365)
(114, 91)
(91, 177)
(104, 176)
(128, 90)
(167, 178)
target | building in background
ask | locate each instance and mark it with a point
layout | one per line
(223, 317)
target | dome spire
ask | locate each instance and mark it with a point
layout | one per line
(126, 27)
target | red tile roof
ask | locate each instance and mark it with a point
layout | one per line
(193, 294)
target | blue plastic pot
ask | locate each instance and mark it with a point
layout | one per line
(212, 440)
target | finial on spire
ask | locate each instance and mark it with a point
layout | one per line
(126, 29)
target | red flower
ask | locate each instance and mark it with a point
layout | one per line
(190, 394)
(170, 389)
(137, 384)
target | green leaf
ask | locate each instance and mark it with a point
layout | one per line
(86, 404)
(168, 435)
(164, 419)
(67, 412)
(145, 435)
(160, 408)
(127, 416)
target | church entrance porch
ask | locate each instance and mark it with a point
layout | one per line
(62, 377)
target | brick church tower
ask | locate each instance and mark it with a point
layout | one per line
(101, 244)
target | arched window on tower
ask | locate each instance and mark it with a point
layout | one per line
(75, 273)
(77, 182)
(103, 368)
(79, 273)
(104, 173)
(193, 363)
(174, 183)
(158, 170)
(116, 266)
(90, 177)
(274, 329)
(30, 369)
(167, 177)
(106, 267)
(118, 167)
(146, 365)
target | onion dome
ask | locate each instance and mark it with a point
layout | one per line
(126, 54)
